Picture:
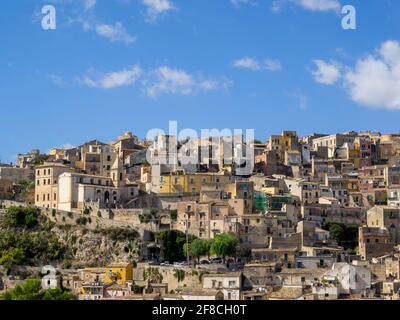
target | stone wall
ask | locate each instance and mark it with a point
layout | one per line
(191, 279)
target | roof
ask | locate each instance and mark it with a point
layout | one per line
(287, 293)
(199, 292)
(222, 275)
(260, 264)
(92, 142)
(93, 270)
(315, 271)
(291, 249)
(53, 164)
(117, 287)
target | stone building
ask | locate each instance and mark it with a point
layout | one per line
(373, 242)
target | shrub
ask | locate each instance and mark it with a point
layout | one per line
(21, 217)
(179, 275)
(32, 290)
(82, 221)
(174, 215)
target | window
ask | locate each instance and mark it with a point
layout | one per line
(38, 182)
(55, 196)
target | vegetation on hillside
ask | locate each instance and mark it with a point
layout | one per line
(345, 234)
(23, 241)
(175, 247)
(32, 290)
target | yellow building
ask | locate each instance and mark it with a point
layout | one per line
(272, 190)
(354, 156)
(57, 152)
(179, 182)
(286, 141)
(119, 273)
(46, 184)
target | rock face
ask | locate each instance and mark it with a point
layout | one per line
(96, 248)
(95, 242)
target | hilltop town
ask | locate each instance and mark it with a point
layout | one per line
(316, 218)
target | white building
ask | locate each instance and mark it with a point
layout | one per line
(229, 283)
(351, 279)
(75, 190)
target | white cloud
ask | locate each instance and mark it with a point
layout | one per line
(115, 33)
(311, 5)
(320, 5)
(166, 80)
(157, 7)
(162, 80)
(326, 73)
(238, 3)
(57, 80)
(375, 79)
(89, 4)
(247, 63)
(111, 80)
(272, 65)
(277, 5)
(255, 65)
(302, 101)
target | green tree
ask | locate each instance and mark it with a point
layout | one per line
(32, 290)
(39, 160)
(20, 217)
(57, 294)
(346, 235)
(173, 242)
(199, 248)
(224, 244)
(12, 256)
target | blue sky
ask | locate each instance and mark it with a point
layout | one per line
(118, 65)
